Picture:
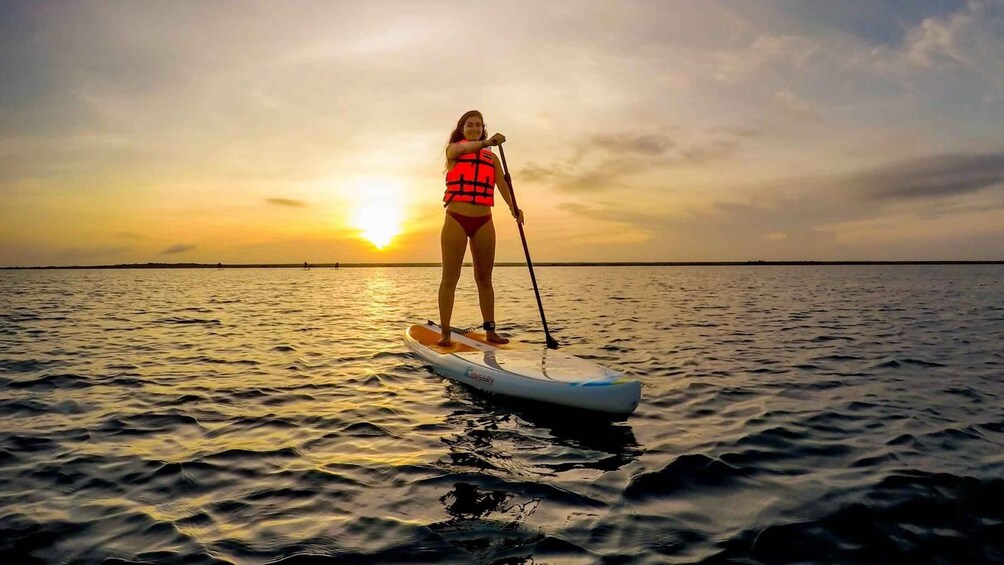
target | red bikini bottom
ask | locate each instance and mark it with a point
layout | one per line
(471, 224)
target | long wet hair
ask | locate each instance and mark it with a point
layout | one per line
(458, 132)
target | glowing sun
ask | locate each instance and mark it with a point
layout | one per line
(378, 218)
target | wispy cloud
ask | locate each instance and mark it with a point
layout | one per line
(808, 223)
(932, 177)
(288, 202)
(610, 161)
(178, 248)
(969, 38)
(644, 144)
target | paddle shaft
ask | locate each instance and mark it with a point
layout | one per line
(551, 342)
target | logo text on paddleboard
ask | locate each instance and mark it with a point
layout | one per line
(476, 376)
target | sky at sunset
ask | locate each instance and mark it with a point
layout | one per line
(283, 132)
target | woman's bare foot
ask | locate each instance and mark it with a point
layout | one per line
(495, 338)
(444, 341)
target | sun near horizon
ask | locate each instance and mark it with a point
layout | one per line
(378, 215)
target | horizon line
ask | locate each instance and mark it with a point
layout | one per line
(337, 265)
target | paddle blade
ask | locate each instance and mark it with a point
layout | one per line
(551, 342)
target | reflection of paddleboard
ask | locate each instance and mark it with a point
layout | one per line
(518, 370)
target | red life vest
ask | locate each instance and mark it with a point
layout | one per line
(472, 179)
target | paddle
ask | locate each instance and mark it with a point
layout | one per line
(551, 342)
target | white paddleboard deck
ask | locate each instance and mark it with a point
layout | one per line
(518, 370)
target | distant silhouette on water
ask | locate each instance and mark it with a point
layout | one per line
(305, 267)
(219, 266)
(336, 265)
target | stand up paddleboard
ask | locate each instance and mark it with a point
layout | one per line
(518, 370)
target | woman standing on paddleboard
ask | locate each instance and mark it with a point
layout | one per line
(472, 174)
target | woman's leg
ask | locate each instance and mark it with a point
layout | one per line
(483, 253)
(453, 241)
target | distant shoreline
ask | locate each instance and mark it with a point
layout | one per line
(537, 264)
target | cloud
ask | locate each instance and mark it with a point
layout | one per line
(731, 231)
(611, 161)
(965, 191)
(713, 150)
(639, 219)
(650, 144)
(565, 176)
(932, 177)
(969, 37)
(178, 248)
(287, 202)
(763, 53)
(929, 187)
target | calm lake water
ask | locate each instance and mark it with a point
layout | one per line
(811, 414)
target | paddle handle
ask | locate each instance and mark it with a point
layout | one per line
(551, 342)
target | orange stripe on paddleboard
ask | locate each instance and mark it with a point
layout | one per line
(428, 338)
(483, 338)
